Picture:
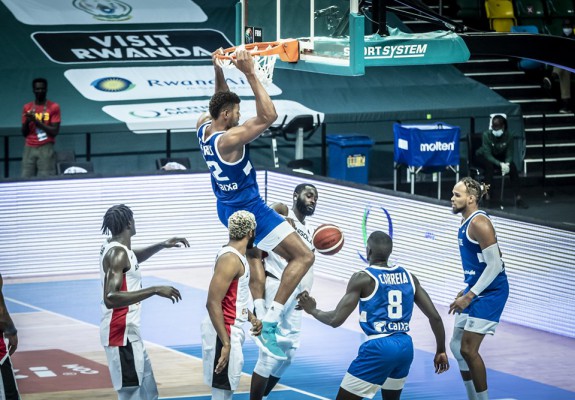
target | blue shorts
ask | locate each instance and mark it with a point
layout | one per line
(270, 225)
(489, 304)
(382, 358)
(483, 314)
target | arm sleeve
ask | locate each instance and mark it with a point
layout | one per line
(494, 267)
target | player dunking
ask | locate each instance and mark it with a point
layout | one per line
(223, 144)
(480, 304)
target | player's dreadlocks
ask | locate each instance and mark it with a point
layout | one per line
(475, 188)
(116, 219)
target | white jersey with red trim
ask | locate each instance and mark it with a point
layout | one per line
(122, 323)
(235, 302)
(3, 349)
(275, 264)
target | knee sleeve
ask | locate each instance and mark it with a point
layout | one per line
(221, 394)
(455, 345)
(150, 387)
(281, 366)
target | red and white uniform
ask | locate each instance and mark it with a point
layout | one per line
(3, 348)
(275, 264)
(129, 363)
(119, 324)
(235, 310)
(8, 385)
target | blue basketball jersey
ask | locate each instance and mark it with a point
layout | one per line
(388, 309)
(472, 257)
(235, 183)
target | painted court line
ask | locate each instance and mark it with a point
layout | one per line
(287, 388)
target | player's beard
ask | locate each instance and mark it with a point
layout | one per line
(303, 209)
(233, 123)
(457, 210)
(251, 243)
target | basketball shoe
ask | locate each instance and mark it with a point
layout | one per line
(267, 341)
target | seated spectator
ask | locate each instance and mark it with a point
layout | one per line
(497, 151)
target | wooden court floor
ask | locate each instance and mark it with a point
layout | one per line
(59, 355)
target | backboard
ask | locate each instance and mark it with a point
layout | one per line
(343, 37)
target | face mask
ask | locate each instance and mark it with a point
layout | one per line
(567, 31)
(498, 132)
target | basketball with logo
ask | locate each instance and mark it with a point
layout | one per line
(328, 239)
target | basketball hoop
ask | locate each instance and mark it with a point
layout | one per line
(264, 54)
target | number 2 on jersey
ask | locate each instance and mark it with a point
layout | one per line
(217, 170)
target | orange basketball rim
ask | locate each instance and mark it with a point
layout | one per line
(287, 49)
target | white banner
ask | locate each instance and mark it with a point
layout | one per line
(182, 115)
(137, 83)
(110, 12)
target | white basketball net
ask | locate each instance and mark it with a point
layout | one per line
(264, 65)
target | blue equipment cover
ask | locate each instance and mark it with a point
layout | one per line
(432, 145)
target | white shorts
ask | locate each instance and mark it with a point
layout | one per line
(474, 324)
(130, 367)
(275, 237)
(229, 378)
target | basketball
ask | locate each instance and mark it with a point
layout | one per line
(328, 239)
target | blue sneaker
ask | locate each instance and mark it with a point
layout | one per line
(267, 341)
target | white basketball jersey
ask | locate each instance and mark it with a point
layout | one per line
(235, 302)
(275, 264)
(119, 324)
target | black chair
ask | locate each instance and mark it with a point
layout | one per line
(558, 11)
(470, 10)
(65, 155)
(298, 130)
(475, 169)
(163, 163)
(74, 167)
(531, 12)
